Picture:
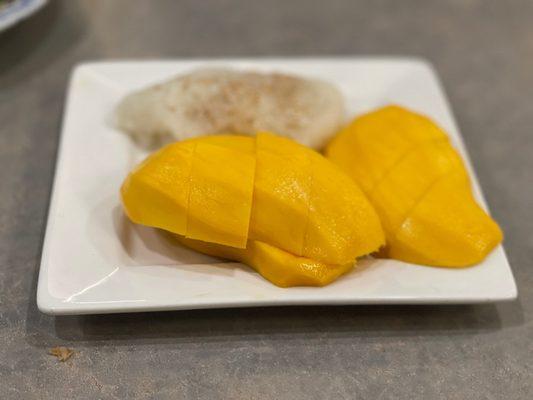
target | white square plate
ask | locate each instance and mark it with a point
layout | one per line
(95, 261)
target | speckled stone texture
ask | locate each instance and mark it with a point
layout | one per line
(483, 51)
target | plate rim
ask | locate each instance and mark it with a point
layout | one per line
(51, 305)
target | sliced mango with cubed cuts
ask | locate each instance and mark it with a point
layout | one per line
(156, 192)
(342, 224)
(278, 266)
(419, 186)
(220, 198)
(177, 189)
(402, 188)
(369, 147)
(446, 228)
(282, 193)
(263, 189)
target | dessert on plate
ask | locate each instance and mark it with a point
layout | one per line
(267, 201)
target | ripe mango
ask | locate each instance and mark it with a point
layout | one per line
(418, 185)
(178, 189)
(276, 201)
(278, 266)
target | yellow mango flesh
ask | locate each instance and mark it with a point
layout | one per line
(278, 266)
(156, 192)
(401, 189)
(418, 185)
(370, 146)
(281, 194)
(305, 205)
(456, 232)
(220, 213)
(341, 220)
(177, 189)
(233, 190)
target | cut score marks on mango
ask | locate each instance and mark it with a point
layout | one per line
(282, 193)
(299, 219)
(266, 201)
(278, 266)
(419, 186)
(221, 192)
(199, 190)
(156, 192)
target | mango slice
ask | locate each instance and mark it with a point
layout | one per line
(342, 224)
(220, 213)
(383, 141)
(447, 228)
(156, 192)
(402, 188)
(419, 186)
(282, 193)
(278, 266)
(251, 192)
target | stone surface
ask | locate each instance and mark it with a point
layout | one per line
(484, 54)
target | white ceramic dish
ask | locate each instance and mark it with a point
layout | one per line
(95, 261)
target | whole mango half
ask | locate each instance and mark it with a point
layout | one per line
(265, 200)
(419, 186)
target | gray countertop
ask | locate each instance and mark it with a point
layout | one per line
(483, 52)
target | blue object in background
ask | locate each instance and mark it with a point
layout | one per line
(15, 11)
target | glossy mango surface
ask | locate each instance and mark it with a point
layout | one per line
(419, 186)
(275, 200)
(278, 266)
